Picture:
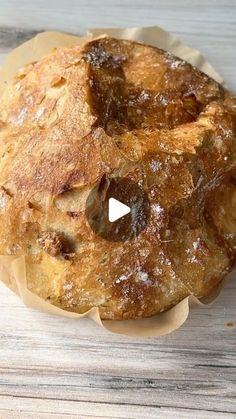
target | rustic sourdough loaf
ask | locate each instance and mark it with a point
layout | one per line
(111, 108)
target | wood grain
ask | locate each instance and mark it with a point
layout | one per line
(51, 367)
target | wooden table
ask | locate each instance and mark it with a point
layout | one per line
(54, 368)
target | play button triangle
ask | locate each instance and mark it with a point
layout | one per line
(116, 210)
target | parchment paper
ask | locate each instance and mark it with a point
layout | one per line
(12, 268)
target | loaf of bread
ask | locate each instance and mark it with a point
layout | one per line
(113, 108)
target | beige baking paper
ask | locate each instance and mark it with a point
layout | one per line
(12, 268)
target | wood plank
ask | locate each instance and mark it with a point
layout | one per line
(68, 362)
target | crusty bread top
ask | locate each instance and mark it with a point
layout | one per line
(117, 108)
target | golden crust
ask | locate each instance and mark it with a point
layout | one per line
(118, 108)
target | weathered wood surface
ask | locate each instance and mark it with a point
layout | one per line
(51, 367)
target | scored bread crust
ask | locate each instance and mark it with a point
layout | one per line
(111, 108)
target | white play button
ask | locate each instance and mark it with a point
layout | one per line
(116, 210)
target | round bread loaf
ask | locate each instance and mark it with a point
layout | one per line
(113, 108)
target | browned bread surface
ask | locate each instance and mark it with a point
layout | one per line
(112, 108)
